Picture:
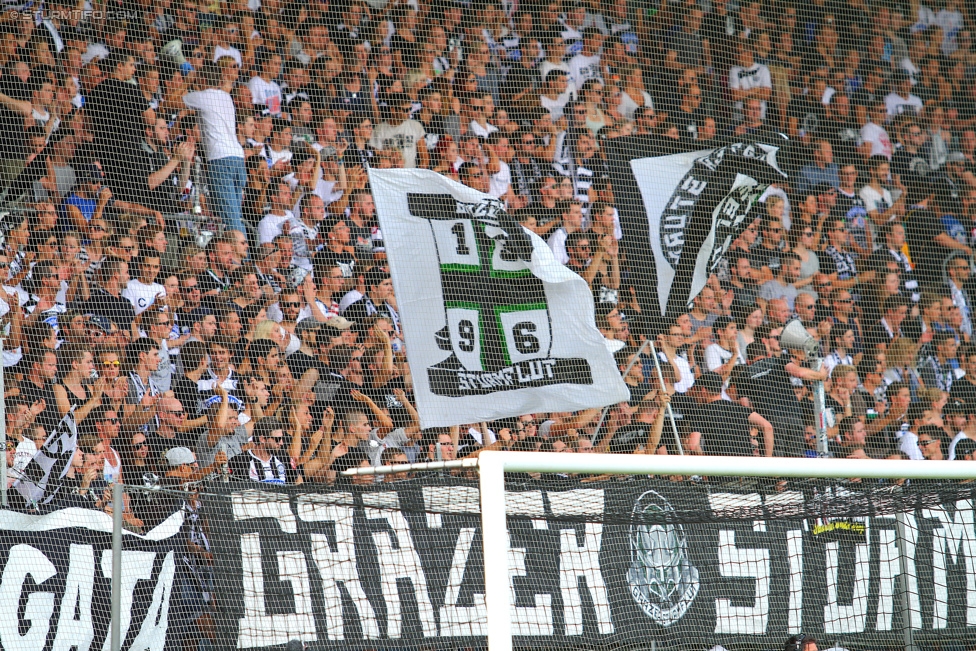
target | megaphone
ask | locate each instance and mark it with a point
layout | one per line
(796, 337)
(173, 53)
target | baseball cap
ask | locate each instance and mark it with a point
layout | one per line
(101, 322)
(233, 401)
(179, 456)
(721, 323)
(305, 325)
(710, 382)
(954, 406)
(339, 323)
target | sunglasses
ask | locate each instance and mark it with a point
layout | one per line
(111, 362)
(139, 446)
(111, 420)
(290, 304)
(926, 442)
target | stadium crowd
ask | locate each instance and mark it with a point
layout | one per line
(273, 351)
(193, 268)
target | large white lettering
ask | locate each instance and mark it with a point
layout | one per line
(337, 568)
(152, 634)
(954, 537)
(462, 620)
(581, 561)
(75, 627)
(527, 620)
(398, 559)
(839, 618)
(742, 562)
(136, 566)
(794, 553)
(891, 564)
(24, 561)
(259, 629)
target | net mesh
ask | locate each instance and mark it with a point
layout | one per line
(630, 563)
(269, 241)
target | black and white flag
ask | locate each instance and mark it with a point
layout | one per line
(494, 325)
(680, 213)
(43, 474)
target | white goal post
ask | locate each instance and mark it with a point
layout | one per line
(492, 466)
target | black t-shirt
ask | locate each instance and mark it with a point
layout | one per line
(12, 123)
(114, 110)
(866, 98)
(771, 258)
(50, 417)
(209, 281)
(163, 197)
(187, 392)
(810, 114)
(384, 397)
(921, 229)
(158, 445)
(768, 386)
(907, 165)
(627, 439)
(724, 426)
(963, 390)
(331, 389)
(116, 308)
(843, 136)
(687, 123)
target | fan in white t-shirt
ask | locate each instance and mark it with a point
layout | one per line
(264, 91)
(749, 80)
(586, 64)
(270, 226)
(143, 290)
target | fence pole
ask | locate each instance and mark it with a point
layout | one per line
(116, 566)
(819, 409)
(3, 434)
(901, 536)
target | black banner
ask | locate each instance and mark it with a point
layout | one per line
(614, 564)
(56, 582)
(680, 213)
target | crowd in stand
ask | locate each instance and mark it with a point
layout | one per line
(275, 352)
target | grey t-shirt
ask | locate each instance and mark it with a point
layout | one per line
(230, 444)
(397, 439)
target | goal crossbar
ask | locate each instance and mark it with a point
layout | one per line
(492, 466)
(636, 464)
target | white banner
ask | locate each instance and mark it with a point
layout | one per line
(494, 325)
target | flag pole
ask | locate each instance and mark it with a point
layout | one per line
(603, 414)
